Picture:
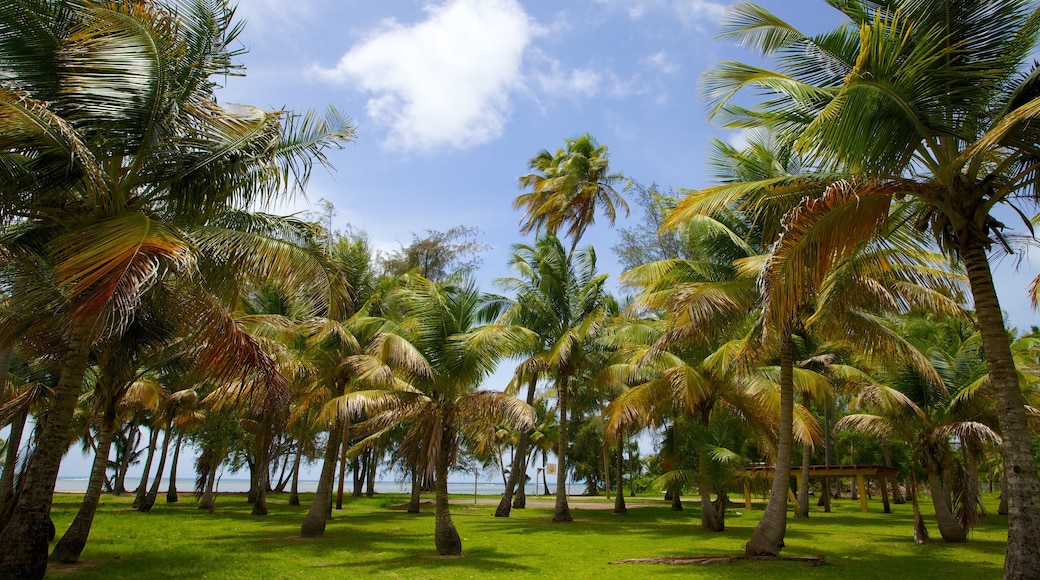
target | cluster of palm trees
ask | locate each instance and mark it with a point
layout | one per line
(823, 277)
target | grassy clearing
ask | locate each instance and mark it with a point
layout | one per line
(369, 539)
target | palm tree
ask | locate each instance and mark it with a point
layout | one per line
(562, 299)
(931, 101)
(567, 187)
(930, 415)
(103, 172)
(443, 347)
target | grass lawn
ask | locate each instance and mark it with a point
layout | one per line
(370, 539)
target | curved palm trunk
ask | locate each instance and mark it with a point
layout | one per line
(949, 527)
(768, 537)
(263, 468)
(518, 464)
(709, 521)
(209, 498)
(153, 491)
(1022, 486)
(71, 544)
(27, 534)
(14, 441)
(294, 490)
(142, 487)
(171, 490)
(132, 435)
(445, 536)
(413, 501)
(314, 523)
(562, 511)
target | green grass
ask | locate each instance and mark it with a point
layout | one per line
(368, 539)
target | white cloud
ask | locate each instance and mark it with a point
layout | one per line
(699, 14)
(661, 62)
(445, 81)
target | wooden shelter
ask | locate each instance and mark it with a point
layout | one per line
(859, 472)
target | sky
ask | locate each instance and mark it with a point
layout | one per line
(452, 98)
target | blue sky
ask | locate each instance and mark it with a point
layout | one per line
(453, 97)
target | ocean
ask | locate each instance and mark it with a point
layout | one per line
(231, 485)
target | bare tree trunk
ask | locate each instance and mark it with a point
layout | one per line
(357, 470)
(1021, 484)
(562, 511)
(446, 537)
(171, 490)
(71, 544)
(606, 467)
(676, 497)
(27, 534)
(768, 537)
(314, 522)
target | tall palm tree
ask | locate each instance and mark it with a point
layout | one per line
(449, 346)
(103, 171)
(567, 187)
(563, 300)
(932, 101)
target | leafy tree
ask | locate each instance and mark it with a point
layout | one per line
(437, 255)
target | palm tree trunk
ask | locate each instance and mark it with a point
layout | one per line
(519, 463)
(263, 467)
(294, 490)
(562, 511)
(314, 523)
(153, 492)
(1022, 486)
(133, 435)
(951, 530)
(606, 467)
(14, 441)
(342, 463)
(413, 502)
(897, 496)
(445, 536)
(619, 499)
(920, 530)
(768, 537)
(370, 475)
(171, 491)
(209, 498)
(71, 544)
(802, 509)
(26, 536)
(357, 471)
(142, 487)
(708, 520)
